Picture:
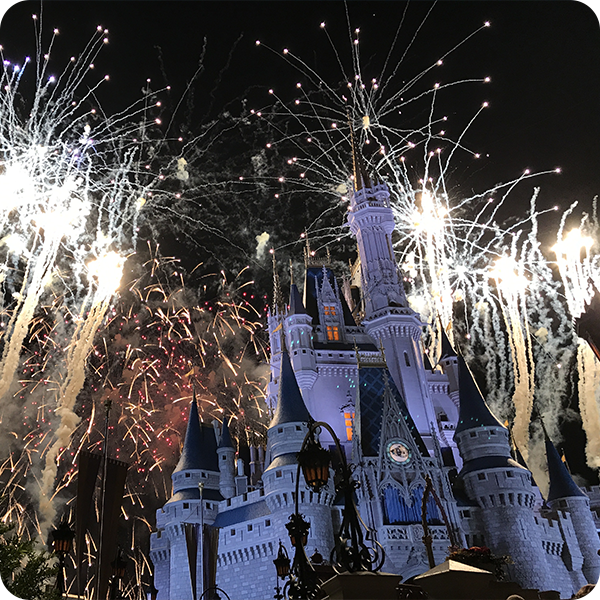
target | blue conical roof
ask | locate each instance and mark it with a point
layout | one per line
(296, 304)
(561, 482)
(447, 349)
(290, 404)
(427, 362)
(200, 445)
(474, 412)
(225, 441)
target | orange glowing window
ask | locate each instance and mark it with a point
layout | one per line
(329, 310)
(348, 419)
(333, 333)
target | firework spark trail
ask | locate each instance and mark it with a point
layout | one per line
(70, 193)
(19, 323)
(108, 271)
(511, 285)
(579, 275)
(589, 401)
(433, 262)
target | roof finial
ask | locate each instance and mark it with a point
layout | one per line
(277, 298)
(291, 273)
(307, 252)
(361, 179)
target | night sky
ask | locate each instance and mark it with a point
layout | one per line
(542, 58)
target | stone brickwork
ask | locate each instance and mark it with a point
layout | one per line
(578, 509)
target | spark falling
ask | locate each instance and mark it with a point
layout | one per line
(67, 196)
(511, 286)
(107, 271)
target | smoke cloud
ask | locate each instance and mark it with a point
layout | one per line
(262, 241)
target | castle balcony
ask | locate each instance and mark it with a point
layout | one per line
(412, 533)
(551, 534)
(438, 384)
(377, 196)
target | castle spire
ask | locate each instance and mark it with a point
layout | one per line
(225, 441)
(296, 304)
(290, 404)
(199, 446)
(277, 297)
(447, 349)
(361, 178)
(474, 412)
(561, 482)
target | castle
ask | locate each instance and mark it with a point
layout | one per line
(399, 419)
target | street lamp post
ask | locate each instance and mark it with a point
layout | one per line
(201, 490)
(350, 552)
(62, 540)
(427, 539)
(118, 566)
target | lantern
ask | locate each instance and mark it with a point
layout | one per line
(62, 538)
(314, 462)
(282, 562)
(118, 566)
(298, 529)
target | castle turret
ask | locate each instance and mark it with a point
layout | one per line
(198, 457)
(275, 317)
(289, 424)
(226, 454)
(197, 468)
(499, 485)
(371, 221)
(284, 440)
(564, 495)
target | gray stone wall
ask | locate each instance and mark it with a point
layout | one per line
(578, 509)
(160, 555)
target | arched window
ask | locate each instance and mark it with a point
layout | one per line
(397, 511)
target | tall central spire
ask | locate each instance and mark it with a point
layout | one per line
(361, 178)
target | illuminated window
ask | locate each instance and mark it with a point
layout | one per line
(333, 333)
(348, 418)
(329, 310)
